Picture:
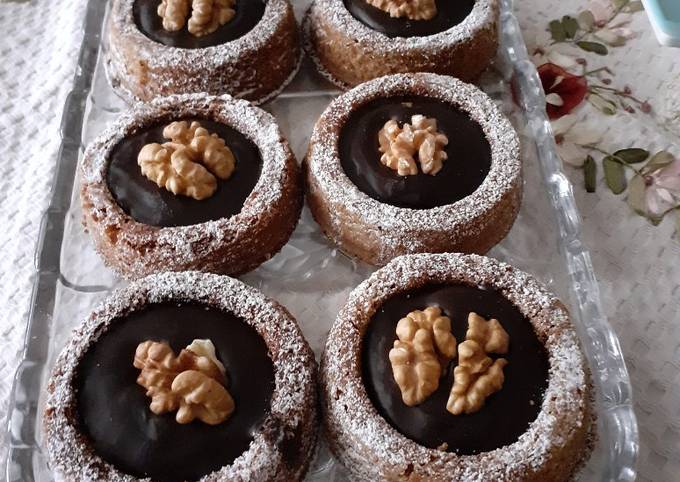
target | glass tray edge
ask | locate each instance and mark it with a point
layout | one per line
(610, 375)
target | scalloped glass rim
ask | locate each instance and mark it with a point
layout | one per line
(616, 418)
(617, 428)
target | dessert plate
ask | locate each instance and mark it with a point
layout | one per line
(309, 276)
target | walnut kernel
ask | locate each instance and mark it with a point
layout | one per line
(188, 164)
(412, 9)
(206, 15)
(192, 383)
(415, 367)
(431, 319)
(201, 397)
(400, 145)
(470, 390)
(424, 343)
(489, 334)
(174, 14)
(159, 367)
(475, 378)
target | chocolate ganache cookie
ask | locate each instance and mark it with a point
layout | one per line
(199, 377)
(190, 182)
(413, 163)
(352, 41)
(456, 367)
(246, 48)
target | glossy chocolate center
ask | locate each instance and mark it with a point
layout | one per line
(149, 204)
(506, 414)
(464, 171)
(449, 14)
(248, 14)
(114, 410)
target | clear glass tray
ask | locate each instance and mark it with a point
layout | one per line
(309, 276)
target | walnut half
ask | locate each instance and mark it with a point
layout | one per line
(189, 164)
(490, 334)
(424, 343)
(431, 319)
(174, 14)
(474, 381)
(400, 146)
(477, 376)
(159, 367)
(206, 15)
(201, 397)
(412, 9)
(192, 383)
(415, 367)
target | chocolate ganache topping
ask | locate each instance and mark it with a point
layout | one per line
(147, 203)
(449, 14)
(468, 154)
(113, 408)
(505, 415)
(247, 14)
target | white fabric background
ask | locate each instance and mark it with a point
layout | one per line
(39, 43)
(637, 265)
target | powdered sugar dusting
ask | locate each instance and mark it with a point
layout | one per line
(138, 245)
(400, 228)
(371, 449)
(293, 406)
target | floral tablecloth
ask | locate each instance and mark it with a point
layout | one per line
(614, 97)
(613, 94)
